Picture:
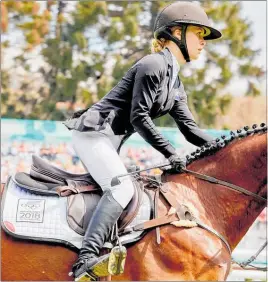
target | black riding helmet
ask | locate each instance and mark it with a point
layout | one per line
(183, 14)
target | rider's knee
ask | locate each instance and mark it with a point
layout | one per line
(124, 192)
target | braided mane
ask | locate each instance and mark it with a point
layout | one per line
(216, 145)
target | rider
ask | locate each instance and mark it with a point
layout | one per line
(150, 89)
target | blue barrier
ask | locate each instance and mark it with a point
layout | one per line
(54, 131)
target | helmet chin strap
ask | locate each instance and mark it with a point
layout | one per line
(180, 43)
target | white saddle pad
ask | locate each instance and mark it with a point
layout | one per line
(44, 218)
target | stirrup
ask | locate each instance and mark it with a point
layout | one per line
(100, 269)
(86, 276)
(117, 259)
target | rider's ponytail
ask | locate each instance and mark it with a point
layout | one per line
(158, 45)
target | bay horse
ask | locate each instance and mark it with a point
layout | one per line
(184, 253)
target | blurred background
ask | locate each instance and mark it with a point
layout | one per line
(62, 56)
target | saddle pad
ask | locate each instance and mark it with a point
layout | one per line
(44, 218)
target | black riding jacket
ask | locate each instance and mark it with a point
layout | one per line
(143, 94)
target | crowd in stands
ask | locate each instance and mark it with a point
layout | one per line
(16, 156)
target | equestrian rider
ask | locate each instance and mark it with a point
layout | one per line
(151, 88)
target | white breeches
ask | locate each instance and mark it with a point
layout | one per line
(97, 151)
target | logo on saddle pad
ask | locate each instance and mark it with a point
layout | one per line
(30, 210)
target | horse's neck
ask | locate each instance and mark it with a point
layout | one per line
(228, 212)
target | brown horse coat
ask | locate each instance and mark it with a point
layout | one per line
(184, 254)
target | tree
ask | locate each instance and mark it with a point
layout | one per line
(230, 56)
(22, 101)
(87, 51)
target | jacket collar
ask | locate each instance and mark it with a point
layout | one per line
(169, 59)
(168, 56)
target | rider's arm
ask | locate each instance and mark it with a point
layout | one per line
(147, 82)
(186, 123)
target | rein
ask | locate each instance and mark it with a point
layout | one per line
(226, 184)
(239, 189)
(248, 262)
(180, 211)
(158, 222)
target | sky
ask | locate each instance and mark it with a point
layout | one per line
(256, 12)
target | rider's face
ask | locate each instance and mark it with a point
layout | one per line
(195, 41)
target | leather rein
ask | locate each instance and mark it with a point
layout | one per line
(181, 213)
(240, 190)
(226, 184)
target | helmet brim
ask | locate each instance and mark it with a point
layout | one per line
(214, 33)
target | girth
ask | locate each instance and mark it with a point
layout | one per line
(182, 213)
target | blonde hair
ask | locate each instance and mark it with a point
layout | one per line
(158, 45)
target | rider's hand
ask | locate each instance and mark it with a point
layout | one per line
(177, 163)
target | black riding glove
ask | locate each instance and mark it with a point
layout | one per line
(177, 163)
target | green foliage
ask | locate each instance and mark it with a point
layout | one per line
(88, 12)
(104, 86)
(120, 68)
(77, 38)
(97, 33)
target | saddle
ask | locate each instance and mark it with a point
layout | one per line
(50, 204)
(82, 191)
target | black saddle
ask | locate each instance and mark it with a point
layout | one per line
(46, 179)
(43, 171)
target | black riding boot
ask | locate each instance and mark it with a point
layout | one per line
(104, 217)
